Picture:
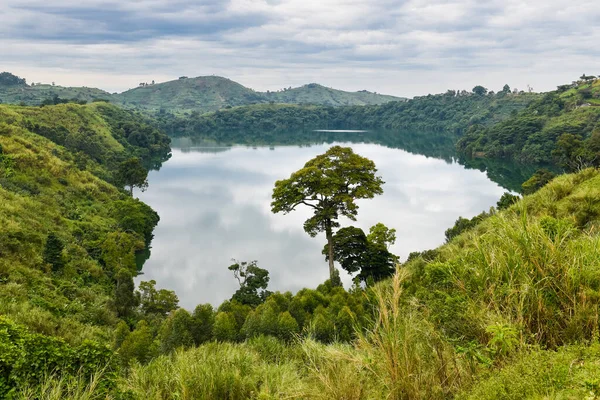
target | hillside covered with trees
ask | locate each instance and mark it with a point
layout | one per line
(200, 95)
(562, 128)
(507, 308)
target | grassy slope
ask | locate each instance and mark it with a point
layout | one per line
(45, 188)
(508, 310)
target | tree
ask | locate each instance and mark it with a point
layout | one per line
(480, 90)
(329, 184)
(158, 302)
(225, 327)
(133, 174)
(287, 326)
(356, 253)
(537, 181)
(176, 331)
(507, 200)
(203, 320)
(506, 89)
(53, 252)
(138, 345)
(125, 300)
(382, 235)
(253, 282)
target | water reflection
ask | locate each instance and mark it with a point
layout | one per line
(214, 204)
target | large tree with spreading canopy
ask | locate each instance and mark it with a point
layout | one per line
(330, 184)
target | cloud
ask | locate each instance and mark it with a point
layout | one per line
(405, 47)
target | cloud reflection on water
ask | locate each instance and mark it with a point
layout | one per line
(215, 206)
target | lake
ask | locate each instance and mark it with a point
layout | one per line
(214, 205)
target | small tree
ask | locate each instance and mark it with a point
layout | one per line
(506, 201)
(125, 299)
(157, 302)
(133, 174)
(480, 90)
(329, 184)
(253, 282)
(53, 252)
(382, 235)
(225, 327)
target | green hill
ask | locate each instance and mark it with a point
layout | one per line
(14, 90)
(202, 94)
(208, 93)
(316, 94)
(212, 93)
(562, 127)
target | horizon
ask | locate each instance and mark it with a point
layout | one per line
(58, 84)
(403, 48)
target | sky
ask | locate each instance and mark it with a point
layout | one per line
(399, 47)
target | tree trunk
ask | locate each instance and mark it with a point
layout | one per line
(329, 235)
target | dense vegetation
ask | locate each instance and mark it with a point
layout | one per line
(508, 308)
(69, 238)
(452, 112)
(562, 128)
(200, 95)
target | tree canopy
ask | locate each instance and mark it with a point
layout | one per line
(329, 184)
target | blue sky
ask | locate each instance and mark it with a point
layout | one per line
(404, 48)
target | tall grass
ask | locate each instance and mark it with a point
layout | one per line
(215, 371)
(61, 388)
(407, 355)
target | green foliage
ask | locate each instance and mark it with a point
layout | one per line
(176, 331)
(125, 299)
(156, 302)
(8, 79)
(133, 174)
(507, 200)
(53, 252)
(225, 327)
(59, 213)
(553, 129)
(26, 359)
(380, 234)
(538, 180)
(356, 253)
(452, 113)
(203, 321)
(253, 282)
(569, 373)
(480, 90)
(329, 184)
(464, 224)
(138, 345)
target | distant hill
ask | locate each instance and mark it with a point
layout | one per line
(212, 93)
(202, 94)
(314, 93)
(15, 90)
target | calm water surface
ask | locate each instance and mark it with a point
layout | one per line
(214, 205)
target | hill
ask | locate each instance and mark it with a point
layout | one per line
(212, 93)
(200, 95)
(15, 90)
(316, 94)
(562, 128)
